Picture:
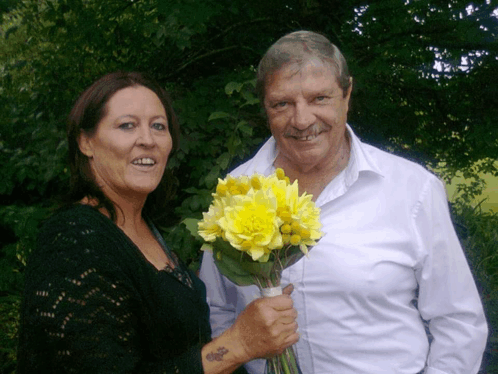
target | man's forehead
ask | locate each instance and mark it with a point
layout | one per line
(314, 66)
(300, 73)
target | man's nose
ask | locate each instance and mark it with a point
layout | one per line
(303, 116)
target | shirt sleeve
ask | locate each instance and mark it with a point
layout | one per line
(221, 296)
(80, 314)
(226, 300)
(448, 297)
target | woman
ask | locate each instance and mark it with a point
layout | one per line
(104, 294)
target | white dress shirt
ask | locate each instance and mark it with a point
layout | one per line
(388, 237)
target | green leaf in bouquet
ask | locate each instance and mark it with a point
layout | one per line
(290, 256)
(192, 226)
(237, 266)
(231, 269)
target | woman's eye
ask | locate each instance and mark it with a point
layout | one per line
(159, 126)
(127, 125)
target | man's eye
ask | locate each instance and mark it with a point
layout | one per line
(127, 125)
(320, 98)
(281, 104)
(159, 126)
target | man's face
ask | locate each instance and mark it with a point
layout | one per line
(307, 113)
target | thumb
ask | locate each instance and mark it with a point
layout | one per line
(288, 289)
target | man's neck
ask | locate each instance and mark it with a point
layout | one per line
(314, 180)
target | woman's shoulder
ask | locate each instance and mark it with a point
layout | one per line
(75, 220)
(75, 240)
(75, 214)
(74, 231)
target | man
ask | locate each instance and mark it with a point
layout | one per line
(390, 257)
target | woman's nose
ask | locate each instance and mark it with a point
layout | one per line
(145, 137)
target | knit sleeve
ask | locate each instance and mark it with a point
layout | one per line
(81, 314)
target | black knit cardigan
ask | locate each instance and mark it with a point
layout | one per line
(94, 304)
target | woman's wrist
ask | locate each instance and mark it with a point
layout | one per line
(223, 354)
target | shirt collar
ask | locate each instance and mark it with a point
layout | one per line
(359, 160)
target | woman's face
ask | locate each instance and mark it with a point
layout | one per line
(129, 150)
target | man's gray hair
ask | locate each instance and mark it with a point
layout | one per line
(298, 48)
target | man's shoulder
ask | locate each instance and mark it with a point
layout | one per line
(398, 165)
(259, 162)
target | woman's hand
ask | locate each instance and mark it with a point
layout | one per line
(266, 327)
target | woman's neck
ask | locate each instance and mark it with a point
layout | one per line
(128, 213)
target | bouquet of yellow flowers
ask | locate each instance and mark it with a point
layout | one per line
(256, 227)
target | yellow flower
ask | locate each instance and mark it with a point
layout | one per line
(244, 187)
(209, 229)
(280, 174)
(306, 219)
(251, 224)
(284, 214)
(230, 181)
(295, 239)
(223, 187)
(295, 227)
(258, 214)
(256, 181)
(279, 188)
(286, 229)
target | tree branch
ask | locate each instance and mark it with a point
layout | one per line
(234, 26)
(195, 59)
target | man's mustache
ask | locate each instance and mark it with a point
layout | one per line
(312, 130)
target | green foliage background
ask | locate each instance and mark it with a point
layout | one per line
(205, 53)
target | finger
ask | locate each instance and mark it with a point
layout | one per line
(290, 327)
(288, 289)
(289, 314)
(282, 302)
(291, 339)
(287, 320)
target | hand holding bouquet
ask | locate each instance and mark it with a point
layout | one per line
(256, 227)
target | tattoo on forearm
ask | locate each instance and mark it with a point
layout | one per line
(218, 356)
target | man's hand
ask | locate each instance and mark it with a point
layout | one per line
(266, 327)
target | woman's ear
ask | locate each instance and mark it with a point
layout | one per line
(85, 145)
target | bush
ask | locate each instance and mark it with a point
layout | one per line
(478, 232)
(9, 322)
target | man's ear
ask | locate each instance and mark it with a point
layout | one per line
(350, 89)
(85, 144)
(348, 93)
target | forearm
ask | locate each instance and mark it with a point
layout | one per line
(458, 345)
(265, 328)
(222, 355)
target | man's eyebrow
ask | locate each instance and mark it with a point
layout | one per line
(277, 96)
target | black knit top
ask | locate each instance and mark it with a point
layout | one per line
(94, 304)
